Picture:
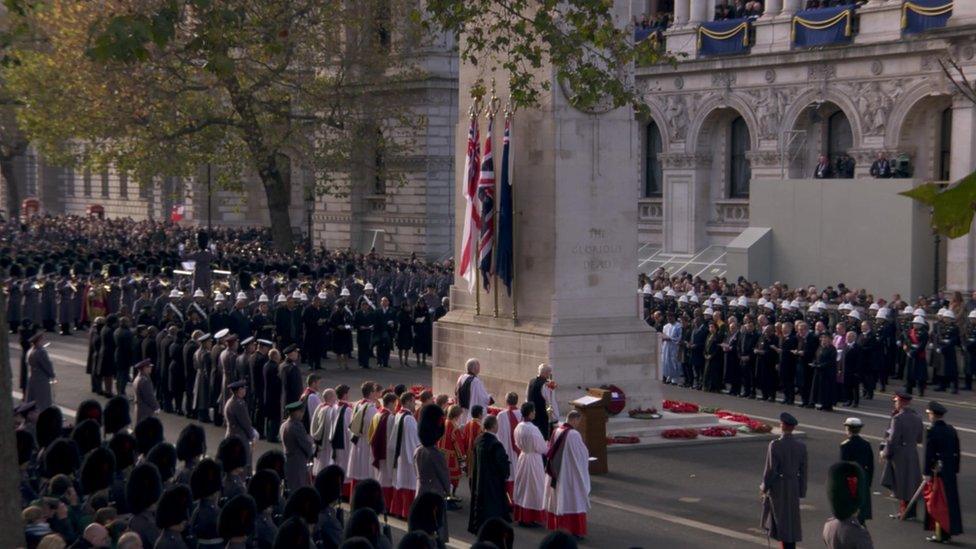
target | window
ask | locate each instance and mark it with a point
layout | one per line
(69, 177)
(123, 185)
(31, 171)
(86, 182)
(945, 144)
(105, 183)
(379, 166)
(839, 136)
(653, 179)
(739, 170)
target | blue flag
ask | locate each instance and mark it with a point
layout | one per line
(504, 262)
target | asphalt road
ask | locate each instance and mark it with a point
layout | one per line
(701, 496)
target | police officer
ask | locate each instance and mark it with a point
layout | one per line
(858, 450)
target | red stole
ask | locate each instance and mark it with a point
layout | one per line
(554, 456)
(511, 431)
(378, 443)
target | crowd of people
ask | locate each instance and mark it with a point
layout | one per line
(817, 348)
(740, 9)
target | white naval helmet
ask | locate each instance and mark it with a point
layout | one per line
(919, 320)
(281, 298)
(198, 293)
(646, 289)
(709, 312)
(845, 307)
(855, 314)
(972, 314)
(368, 287)
(175, 294)
(713, 296)
(761, 302)
(717, 302)
(693, 298)
(919, 312)
(743, 301)
(883, 312)
(949, 314)
(303, 296)
(671, 293)
(708, 302)
(683, 299)
(659, 296)
(786, 305)
(323, 295)
(296, 295)
(796, 304)
(769, 305)
(941, 311)
(344, 292)
(262, 298)
(874, 306)
(219, 296)
(908, 310)
(241, 296)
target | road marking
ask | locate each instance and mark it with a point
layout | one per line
(65, 411)
(807, 426)
(689, 500)
(856, 411)
(681, 521)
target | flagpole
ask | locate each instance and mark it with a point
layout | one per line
(511, 162)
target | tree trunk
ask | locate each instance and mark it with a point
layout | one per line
(12, 191)
(11, 526)
(278, 201)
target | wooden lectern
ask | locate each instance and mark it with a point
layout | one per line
(593, 429)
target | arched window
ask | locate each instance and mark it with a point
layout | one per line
(840, 138)
(653, 180)
(945, 143)
(739, 169)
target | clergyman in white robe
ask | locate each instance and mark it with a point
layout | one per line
(321, 429)
(339, 441)
(530, 475)
(404, 431)
(360, 455)
(479, 396)
(568, 502)
(507, 421)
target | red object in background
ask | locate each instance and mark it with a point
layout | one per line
(623, 439)
(30, 207)
(679, 433)
(678, 407)
(96, 211)
(936, 507)
(177, 213)
(618, 400)
(718, 432)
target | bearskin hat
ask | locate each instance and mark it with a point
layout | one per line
(846, 488)
(205, 479)
(232, 454)
(265, 488)
(89, 409)
(149, 432)
(305, 504)
(123, 446)
(292, 533)
(97, 470)
(192, 443)
(163, 456)
(88, 435)
(61, 458)
(50, 426)
(174, 506)
(431, 426)
(116, 415)
(237, 517)
(143, 488)
(274, 460)
(25, 446)
(328, 483)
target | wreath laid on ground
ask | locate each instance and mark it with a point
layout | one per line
(644, 413)
(722, 432)
(622, 439)
(679, 433)
(679, 407)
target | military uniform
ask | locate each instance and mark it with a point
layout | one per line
(902, 473)
(299, 450)
(942, 446)
(784, 484)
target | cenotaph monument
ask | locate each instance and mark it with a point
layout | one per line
(575, 177)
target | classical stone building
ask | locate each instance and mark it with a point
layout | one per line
(726, 127)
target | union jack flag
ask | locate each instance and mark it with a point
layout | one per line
(472, 218)
(486, 193)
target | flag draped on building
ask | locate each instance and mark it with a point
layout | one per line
(486, 194)
(176, 213)
(472, 217)
(504, 249)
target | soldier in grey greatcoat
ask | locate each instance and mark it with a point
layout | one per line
(41, 374)
(145, 404)
(784, 484)
(237, 419)
(843, 530)
(201, 384)
(298, 447)
(902, 468)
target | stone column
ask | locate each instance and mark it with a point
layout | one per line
(576, 254)
(686, 204)
(699, 11)
(961, 252)
(792, 6)
(681, 12)
(773, 8)
(652, 7)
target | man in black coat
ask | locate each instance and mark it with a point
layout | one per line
(787, 362)
(487, 473)
(384, 326)
(853, 370)
(807, 344)
(946, 346)
(942, 445)
(176, 378)
(124, 355)
(314, 319)
(748, 340)
(536, 394)
(825, 366)
(873, 361)
(699, 336)
(189, 372)
(881, 168)
(858, 450)
(290, 376)
(106, 358)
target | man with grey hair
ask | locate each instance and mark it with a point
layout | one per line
(470, 391)
(542, 393)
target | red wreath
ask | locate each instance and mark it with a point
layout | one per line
(756, 426)
(679, 433)
(723, 432)
(642, 411)
(679, 407)
(734, 417)
(620, 439)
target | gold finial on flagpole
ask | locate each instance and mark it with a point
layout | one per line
(493, 103)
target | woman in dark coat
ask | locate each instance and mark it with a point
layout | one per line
(341, 323)
(713, 360)
(731, 347)
(106, 358)
(25, 330)
(423, 331)
(404, 335)
(94, 348)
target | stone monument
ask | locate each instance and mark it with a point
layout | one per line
(576, 181)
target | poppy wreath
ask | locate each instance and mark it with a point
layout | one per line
(678, 407)
(643, 413)
(734, 417)
(621, 439)
(721, 432)
(679, 433)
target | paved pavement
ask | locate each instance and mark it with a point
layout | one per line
(700, 496)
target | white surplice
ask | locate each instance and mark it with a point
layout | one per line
(507, 421)
(321, 429)
(341, 454)
(384, 473)
(479, 396)
(530, 475)
(572, 492)
(404, 475)
(360, 457)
